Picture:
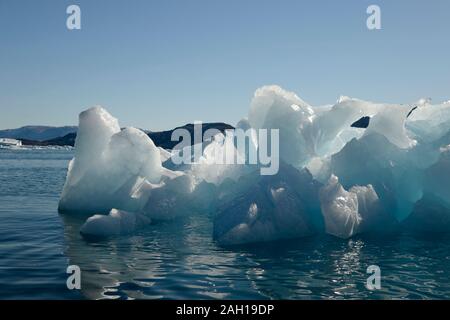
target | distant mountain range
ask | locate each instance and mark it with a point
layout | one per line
(163, 138)
(65, 136)
(67, 140)
(37, 133)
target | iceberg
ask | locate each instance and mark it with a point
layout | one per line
(347, 213)
(432, 212)
(265, 208)
(109, 166)
(374, 160)
(340, 209)
(116, 223)
(348, 168)
(429, 122)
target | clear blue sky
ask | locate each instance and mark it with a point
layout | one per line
(158, 64)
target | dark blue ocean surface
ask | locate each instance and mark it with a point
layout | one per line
(179, 259)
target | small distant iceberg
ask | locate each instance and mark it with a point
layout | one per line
(7, 142)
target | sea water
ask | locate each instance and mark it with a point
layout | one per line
(179, 260)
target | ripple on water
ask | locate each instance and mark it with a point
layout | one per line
(178, 259)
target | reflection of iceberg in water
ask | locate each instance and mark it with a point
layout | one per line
(161, 261)
(179, 260)
(105, 265)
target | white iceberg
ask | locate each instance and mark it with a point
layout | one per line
(109, 165)
(391, 168)
(347, 213)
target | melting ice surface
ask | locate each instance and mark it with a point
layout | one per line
(333, 178)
